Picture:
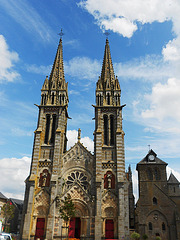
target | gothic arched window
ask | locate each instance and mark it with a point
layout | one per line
(60, 99)
(53, 129)
(106, 140)
(101, 100)
(42, 99)
(47, 128)
(112, 130)
(109, 180)
(108, 99)
(150, 226)
(63, 97)
(52, 99)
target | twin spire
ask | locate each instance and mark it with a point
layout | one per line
(107, 88)
(55, 88)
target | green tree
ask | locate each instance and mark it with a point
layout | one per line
(158, 238)
(8, 213)
(145, 236)
(135, 235)
(67, 209)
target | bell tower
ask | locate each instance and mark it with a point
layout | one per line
(112, 214)
(49, 145)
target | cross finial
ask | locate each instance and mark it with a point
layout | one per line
(149, 146)
(61, 34)
(107, 34)
(79, 135)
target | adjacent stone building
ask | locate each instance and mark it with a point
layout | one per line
(157, 211)
(100, 188)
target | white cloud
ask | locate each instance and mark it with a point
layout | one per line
(20, 132)
(171, 51)
(124, 17)
(13, 173)
(175, 173)
(44, 70)
(72, 139)
(148, 68)
(133, 12)
(24, 14)
(164, 101)
(83, 68)
(120, 25)
(7, 60)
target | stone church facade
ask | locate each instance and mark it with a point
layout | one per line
(99, 187)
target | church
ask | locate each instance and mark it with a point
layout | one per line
(98, 183)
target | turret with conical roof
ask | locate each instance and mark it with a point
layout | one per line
(108, 88)
(55, 89)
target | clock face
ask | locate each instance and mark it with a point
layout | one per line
(151, 157)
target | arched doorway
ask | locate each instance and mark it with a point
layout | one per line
(109, 229)
(75, 227)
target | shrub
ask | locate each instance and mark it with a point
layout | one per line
(135, 235)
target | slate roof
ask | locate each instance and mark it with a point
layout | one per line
(146, 160)
(2, 196)
(17, 201)
(156, 159)
(172, 179)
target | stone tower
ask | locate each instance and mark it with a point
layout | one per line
(156, 211)
(112, 213)
(49, 146)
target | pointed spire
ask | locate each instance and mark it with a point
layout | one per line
(107, 72)
(108, 88)
(54, 90)
(57, 79)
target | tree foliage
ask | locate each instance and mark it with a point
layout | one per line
(145, 236)
(158, 238)
(8, 213)
(135, 235)
(67, 209)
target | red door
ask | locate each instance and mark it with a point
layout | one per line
(40, 228)
(74, 228)
(109, 229)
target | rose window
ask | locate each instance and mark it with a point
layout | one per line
(77, 177)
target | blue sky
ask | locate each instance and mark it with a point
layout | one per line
(145, 49)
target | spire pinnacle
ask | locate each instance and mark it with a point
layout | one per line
(79, 135)
(61, 34)
(108, 89)
(54, 89)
